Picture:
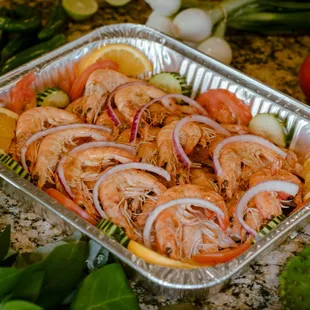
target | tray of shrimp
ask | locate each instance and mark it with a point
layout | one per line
(184, 168)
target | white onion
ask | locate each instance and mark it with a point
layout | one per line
(269, 186)
(217, 48)
(193, 118)
(182, 201)
(165, 7)
(192, 25)
(122, 167)
(46, 132)
(160, 23)
(83, 147)
(242, 138)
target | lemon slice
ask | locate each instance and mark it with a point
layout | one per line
(80, 10)
(117, 2)
(9, 113)
(7, 130)
(155, 258)
(132, 61)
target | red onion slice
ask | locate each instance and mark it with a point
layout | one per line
(137, 118)
(182, 201)
(269, 186)
(83, 147)
(242, 138)
(110, 111)
(46, 132)
(193, 118)
(122, 167)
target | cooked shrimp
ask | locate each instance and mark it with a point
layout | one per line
(131, 99)
(204, 178)
(271, 204)
(124, 136)
(240, 160)
(147, 152)
(105, 120)
(128, 197)
(56, 145)
(83, 168)
(76, 107)
(41, 118)
(99, 85)
(184, 231)
(236, 129)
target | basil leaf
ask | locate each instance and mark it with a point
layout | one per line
(105, 289)
(30, 285)
(9, 278)
(20, 305)
(63, 268)
(5, 242)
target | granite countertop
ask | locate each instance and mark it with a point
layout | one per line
(274, 60)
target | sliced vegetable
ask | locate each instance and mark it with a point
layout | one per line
(80, 82)
(14, 166)
(118, 2)
(71, 205)
(171, 83)
(276, 221)
(53, 97)
(269, 127)
(222, 256)
(112, 230)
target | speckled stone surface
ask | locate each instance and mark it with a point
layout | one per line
(274, 60)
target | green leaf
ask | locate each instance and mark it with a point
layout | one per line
(9, 278)
(9, 259)
(63, 268)
(20, 305)
(5, 242)
(30, 285)
(105, 289)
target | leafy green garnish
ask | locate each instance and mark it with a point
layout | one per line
(105, 289)
(295, 282)
(54, 275)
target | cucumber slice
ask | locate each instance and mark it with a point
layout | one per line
(171, 83)
(53, 97)
(14, 166)
(269, 127)
(112, 230)
(276, 221)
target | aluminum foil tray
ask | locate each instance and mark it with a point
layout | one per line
(203, 73)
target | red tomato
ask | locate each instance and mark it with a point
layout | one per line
(23, 96)
(70, 205)
(80, 82)
(222, 256)
(304, 77)
(225, 107)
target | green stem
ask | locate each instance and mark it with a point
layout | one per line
(220, 29)
(228, 7)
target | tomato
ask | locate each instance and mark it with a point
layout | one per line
(222, 256)
(225, 107)
(70, 205)
(23, 96)
(304, 77)
(80, 82)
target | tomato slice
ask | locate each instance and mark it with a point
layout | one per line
(304, 77)
(225, 107)
(70, 205)
(23, 96)
(80, 82)
(222, 256)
